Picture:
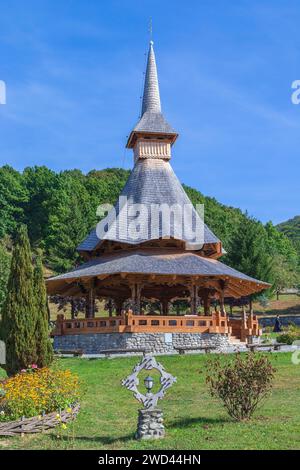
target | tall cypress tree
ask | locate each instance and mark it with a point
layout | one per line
(44, 350)
(18, 321)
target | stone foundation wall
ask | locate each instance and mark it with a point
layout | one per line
(284, 319)
(154, 342)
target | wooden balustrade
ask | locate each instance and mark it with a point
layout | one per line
(243, 328)
(216, 323)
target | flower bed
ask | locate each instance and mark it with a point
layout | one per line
(37, 399)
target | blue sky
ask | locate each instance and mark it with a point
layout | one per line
(74, 74)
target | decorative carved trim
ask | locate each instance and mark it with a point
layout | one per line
(152, 149)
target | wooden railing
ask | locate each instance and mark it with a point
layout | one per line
(215, 323)
(243, 328)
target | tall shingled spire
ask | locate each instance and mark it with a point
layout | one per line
(151, 98)
(152, 123)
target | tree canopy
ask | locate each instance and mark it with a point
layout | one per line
(59, 210)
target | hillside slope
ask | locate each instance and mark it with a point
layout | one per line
(60, 208)
(291, 228)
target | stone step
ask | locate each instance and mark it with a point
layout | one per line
(235, 340)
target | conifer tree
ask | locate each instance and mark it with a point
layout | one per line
(44, 350)
(249, 251)
(18, 322)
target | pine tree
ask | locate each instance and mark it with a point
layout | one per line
(44, 349)
(249, 251)
(18, 321)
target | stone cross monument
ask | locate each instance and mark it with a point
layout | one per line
(150, 419)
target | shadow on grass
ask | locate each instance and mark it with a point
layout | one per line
(200, 421)
(105, 440)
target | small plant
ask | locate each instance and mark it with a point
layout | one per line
(241, 384)
(268, 329)
(290, 335)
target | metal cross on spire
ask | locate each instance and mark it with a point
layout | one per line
(150, 29)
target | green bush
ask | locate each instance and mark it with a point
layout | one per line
(240, 384)
(268, 329)
(290, 335)
(288, 338)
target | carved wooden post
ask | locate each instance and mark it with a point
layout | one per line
(244, 324)
(250, 318)
(206, 300)
(72, 309)
(110, 308)
(244, 317)
(136, 290)
(194, 299)
(222, 304)
(119, 304)
(59, 324)
(138, 298)
(165, 306)
(90, 303)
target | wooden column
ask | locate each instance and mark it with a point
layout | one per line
(72, 308)
(251, 315)
(90, 303)
(118, 304)
(222, 305)
(244, 317)
(206, 300)
(165, 306)
(136, 290)
(110, 307)
(194, 299)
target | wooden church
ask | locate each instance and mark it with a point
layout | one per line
(129, 266)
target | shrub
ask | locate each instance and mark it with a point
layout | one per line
(241, 383)
(292, 334)
(287, 338)
(268, 329)
(34, 391)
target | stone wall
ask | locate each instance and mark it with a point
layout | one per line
(284, 319)
(154, 342)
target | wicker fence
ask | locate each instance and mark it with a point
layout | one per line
(38, 424)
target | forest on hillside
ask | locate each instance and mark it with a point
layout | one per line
(59, 209)
(291, 228)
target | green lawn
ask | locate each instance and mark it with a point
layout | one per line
(193, 419)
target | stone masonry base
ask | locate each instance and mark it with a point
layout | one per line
(150, 424)
(152, 342)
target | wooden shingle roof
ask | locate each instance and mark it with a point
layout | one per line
(153, 182)
(155, 262)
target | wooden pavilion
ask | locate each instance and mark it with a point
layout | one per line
(154, 266)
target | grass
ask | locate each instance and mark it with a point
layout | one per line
(193, 419)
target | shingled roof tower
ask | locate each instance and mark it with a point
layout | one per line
(153, 181)
(148, 263)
